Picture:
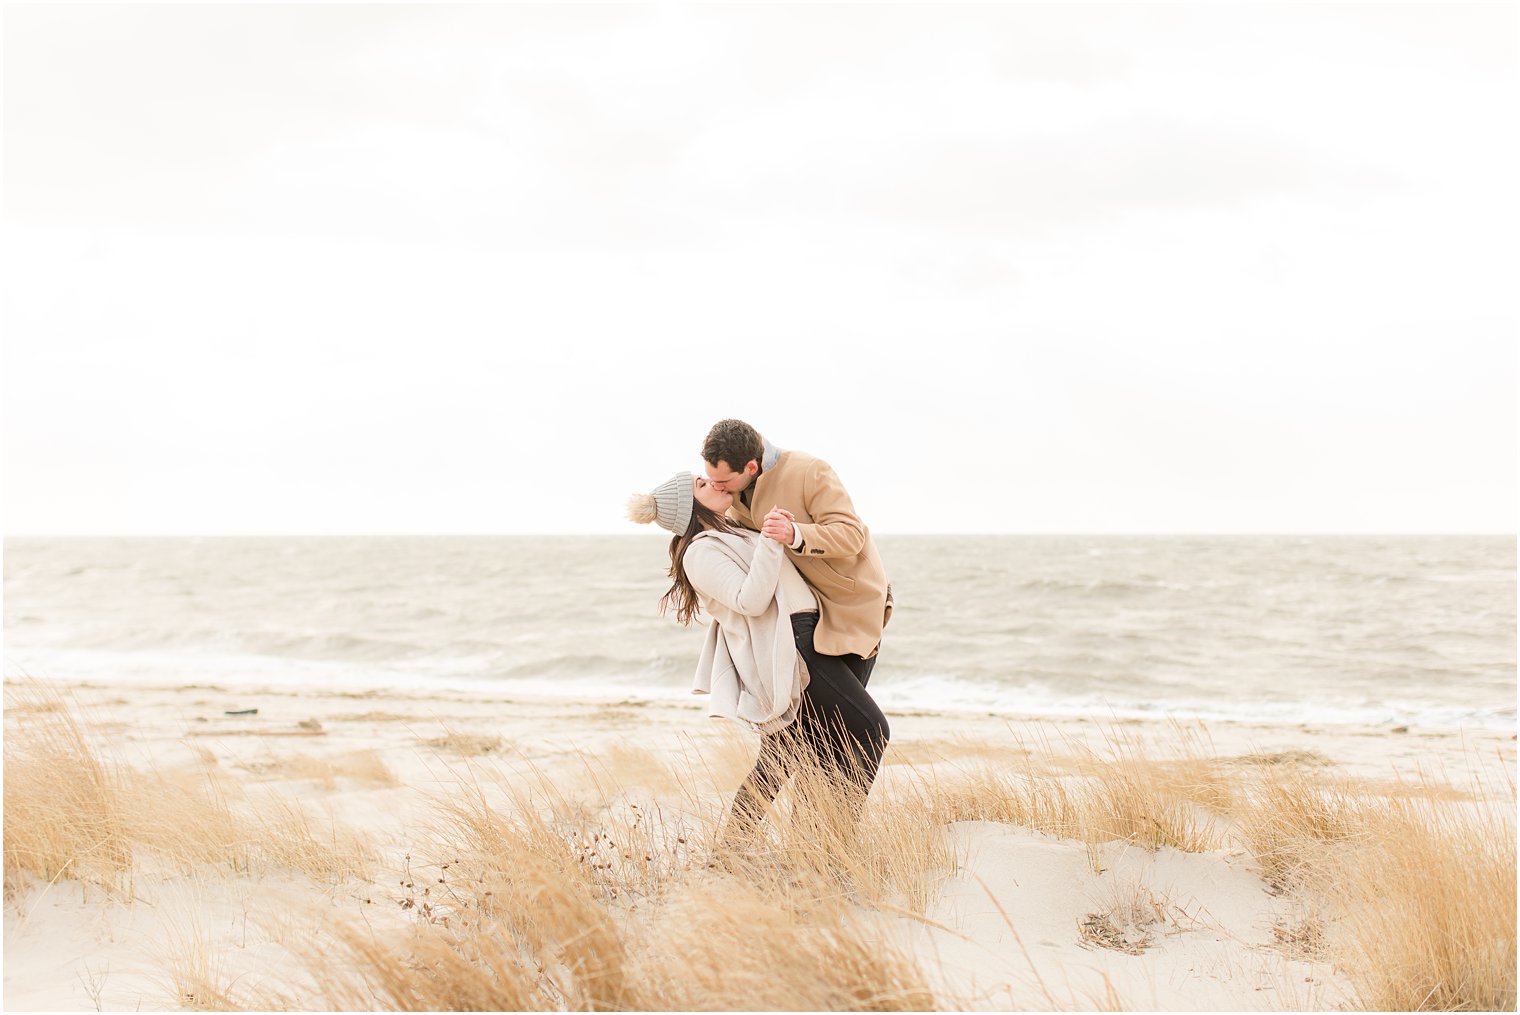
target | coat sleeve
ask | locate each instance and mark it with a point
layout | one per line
(716, 575)
(836, 530)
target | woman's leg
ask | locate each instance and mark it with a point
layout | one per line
(839, 728)
(772, 768)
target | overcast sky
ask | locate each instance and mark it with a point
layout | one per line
(371, 269)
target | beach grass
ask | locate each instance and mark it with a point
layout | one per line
(67, 813)
(1417, 898)
(515, 889)
(72, 812)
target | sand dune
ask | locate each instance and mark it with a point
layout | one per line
(1004, 862)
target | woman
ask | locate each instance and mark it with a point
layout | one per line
(755, 662)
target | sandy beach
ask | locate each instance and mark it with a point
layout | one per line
(990, 908)
(379, 378)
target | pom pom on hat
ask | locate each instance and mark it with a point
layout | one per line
(669, 504)
(641, 508)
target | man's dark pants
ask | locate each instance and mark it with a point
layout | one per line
(839, 728)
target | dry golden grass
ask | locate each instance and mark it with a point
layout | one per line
(624, 766)
(1420, 892)
(1129, 916)
(731, 945)
(33, 700)
(1099, 930)
(188, 821)
(822, 840)
(1430, 908)
(1122, 795)
(372, 717)
(545, 905)
(430, 967)
(927, 752)
(1404, 789)
(1150, 807)
(713, 763)
(65, 812)
(1294, 757)
(71, 813)
(493, 931)
(287, 837)
(900, 851)
(617, 846)
(465, 745)
(541, 902)
(194, 973)
(1302, 938)
(359, 766)
(1191, 772)
(526, 892)
(1291, 820)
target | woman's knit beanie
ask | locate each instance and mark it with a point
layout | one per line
(669, 504)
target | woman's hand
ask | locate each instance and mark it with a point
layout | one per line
(778, 525)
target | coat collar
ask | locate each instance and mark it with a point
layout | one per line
(769, 456)
(768, 459)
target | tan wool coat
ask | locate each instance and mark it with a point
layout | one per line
(838, 557)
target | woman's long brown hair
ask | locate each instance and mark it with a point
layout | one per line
(681, 595)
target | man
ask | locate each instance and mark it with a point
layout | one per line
(797, 499)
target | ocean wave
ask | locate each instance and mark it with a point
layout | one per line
(576, 665)
(1185, 620)
(329, 645)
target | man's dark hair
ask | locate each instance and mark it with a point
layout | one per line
(733, 441)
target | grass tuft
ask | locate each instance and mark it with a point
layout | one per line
(66, 813)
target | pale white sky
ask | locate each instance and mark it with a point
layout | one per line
(358, 269)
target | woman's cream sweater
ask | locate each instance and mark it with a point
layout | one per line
(749, 663)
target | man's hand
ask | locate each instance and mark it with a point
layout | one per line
(778, 526)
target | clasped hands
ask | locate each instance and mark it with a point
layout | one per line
(779, 526)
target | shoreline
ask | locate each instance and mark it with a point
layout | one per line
(360, 679)
(679, 703)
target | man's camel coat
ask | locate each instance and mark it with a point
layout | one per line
(838, 557)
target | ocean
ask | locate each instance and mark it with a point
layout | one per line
(1413, 630)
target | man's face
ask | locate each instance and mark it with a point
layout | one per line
(715, 500)
(722, 476)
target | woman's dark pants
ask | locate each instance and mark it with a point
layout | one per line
(838, 728)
